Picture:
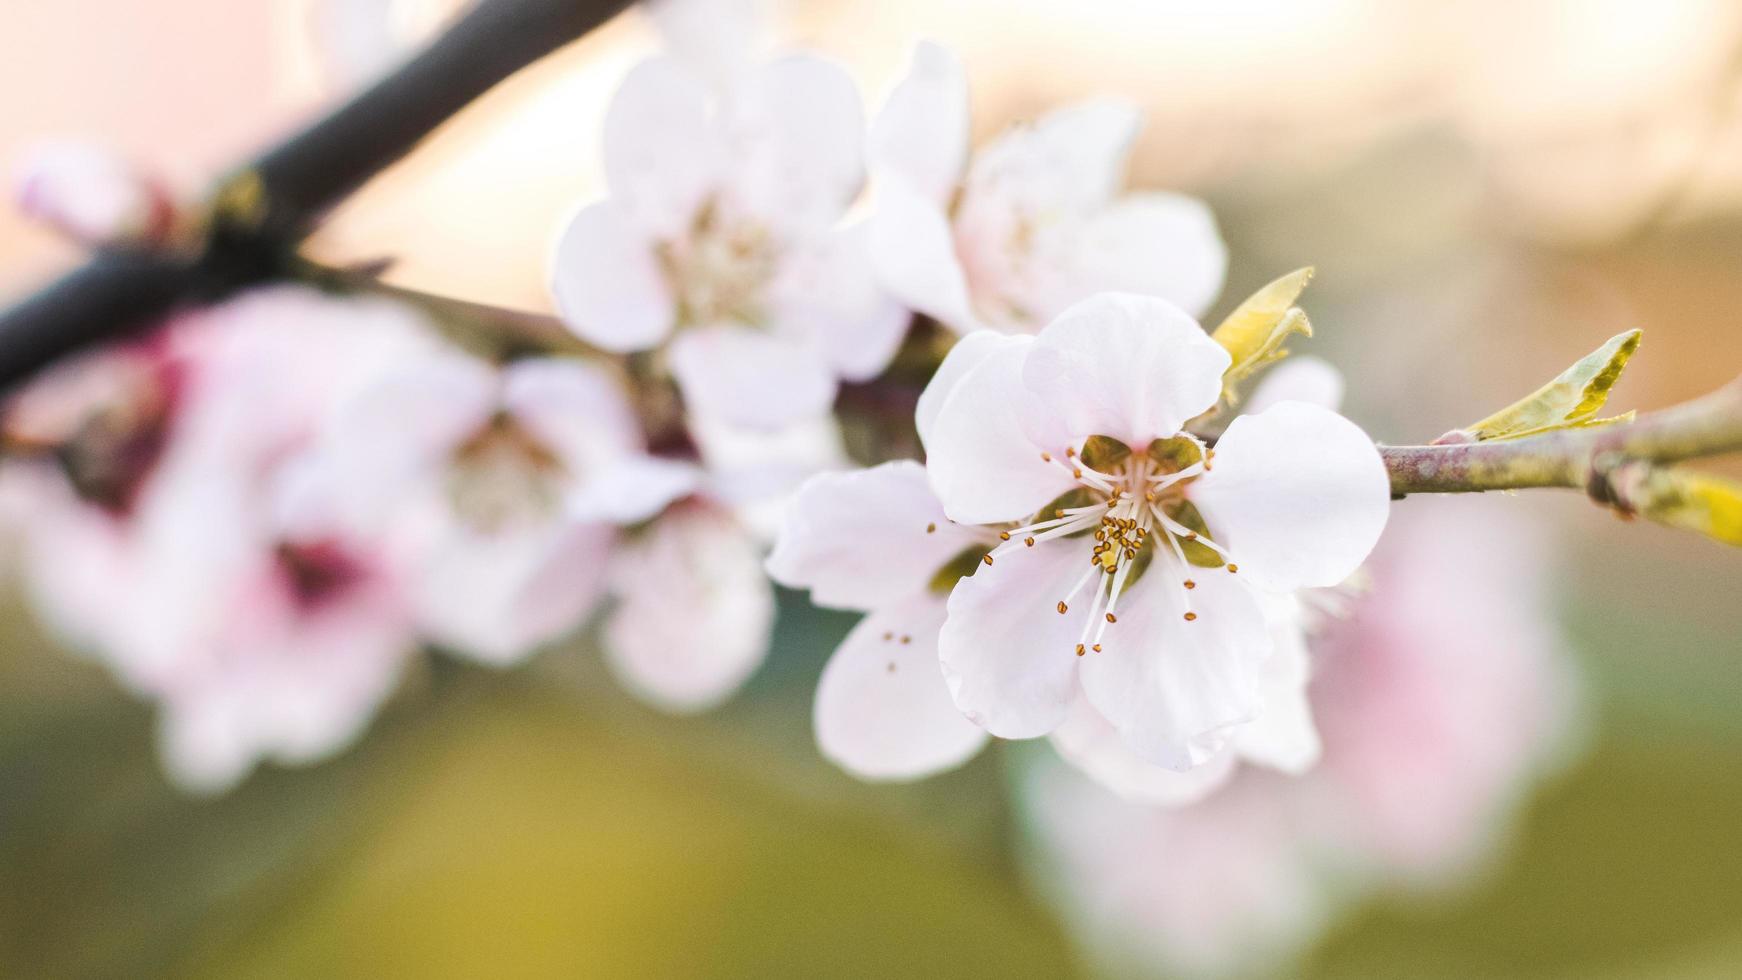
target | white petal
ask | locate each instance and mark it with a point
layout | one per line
(979, 458)
(831, 293)
(496, 597)
(1131, 367)
(1071, 159)
(1009, 657)
(694, 611)
(798, 146)
(1176, 689)
(401, 428)
(1301, 378)
(746, 377)
(664, 153)
(966, 353)
(1087, 741)
(608, 284)
(914, 253)
(860, 540)
(921, 132)
(576, 408)
(1283, 735)
(882, 709)
(717, 38)
(632, 489)
(1298, 494)
(1156, 244)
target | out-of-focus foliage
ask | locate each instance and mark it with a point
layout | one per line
(1571, 400)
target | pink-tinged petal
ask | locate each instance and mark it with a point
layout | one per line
(694, 611)
(497, 597)
(91, 195)
(1155, 244)
(746, 377)
(1007, 654)
(576, 408)
(632, 489)
(403, 426)
(608, 285)
(1131, 367)
(798, 145)
(1283, 736)
(1176, 689)
(830, 292)
(1086, 740)
(1073, 158)
(981, 462)
(914, 253)
(864, 539)
(882, 709)
(921, 133)
(1301, 378)
(664, 153)
(1298, 494)
(966, 354)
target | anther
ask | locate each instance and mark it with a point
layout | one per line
(906, 639)
(1004, 535)
(1079, 649)
(986, 558)
(1112, 618)
(1063, 608)
(931, 528)
(1077, 474)
(1046, 457)
(1096, 648)
(1070, 452)
(1233, 567)
(1028, 541)
(1191, 584)
(888, 636)
(1191, 616)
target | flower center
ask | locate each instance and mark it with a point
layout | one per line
(721, 270)
(1127, 501)
(504, 476)
(318, 572)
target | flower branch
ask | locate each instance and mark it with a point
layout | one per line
(258, 216)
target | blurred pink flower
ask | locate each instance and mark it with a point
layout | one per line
(1416, 777)
(91, 195)
(720, 239)
(1032, 223)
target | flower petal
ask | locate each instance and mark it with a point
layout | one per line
(1072, 159)
(921, 132)
(578, 409)
(746, 377)
(1298, 494)
(608, 284)
(864, 539)
(1174, 688)
(664, 153)
(694, 611)
(882, 708)
(914, 252)
(966, 354)
(830, 292)
(1007, 654)
(632, 489)
(798, 129)
(1086, 740)
(981, 462)
(1301, 378)
(1283, 735)
(1156, 244)
(1121, 365)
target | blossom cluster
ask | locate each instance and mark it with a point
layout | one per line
(262, 514)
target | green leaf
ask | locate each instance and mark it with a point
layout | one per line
(1686, 499)
(1254, 334)
(1569, 401)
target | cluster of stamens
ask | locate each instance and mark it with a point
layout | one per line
(1133, 506)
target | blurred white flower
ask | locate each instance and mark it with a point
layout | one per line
(91, 195)
(501, 490)
(1415, 783)
(1078, 432)
(1032, 224)
(720, 240)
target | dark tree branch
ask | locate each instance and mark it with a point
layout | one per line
(270, 205)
